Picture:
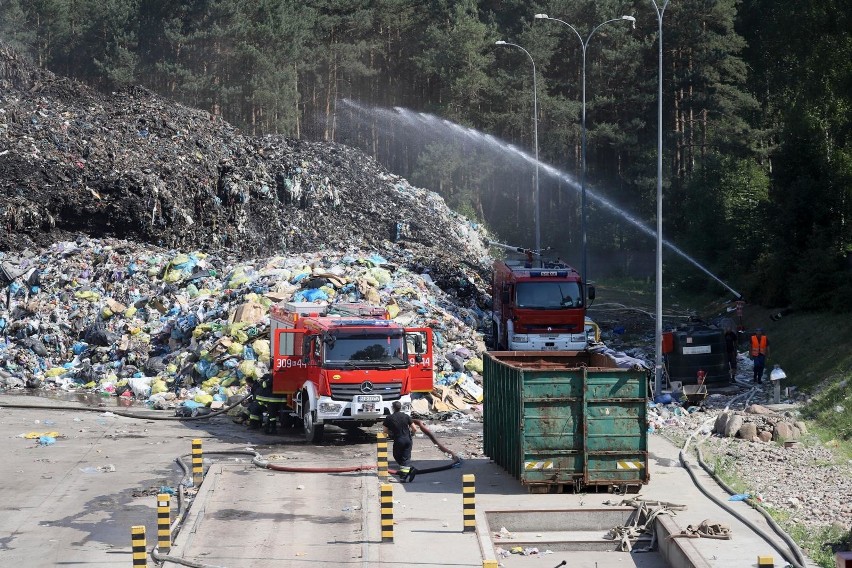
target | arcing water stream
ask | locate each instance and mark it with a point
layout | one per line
(421, 122)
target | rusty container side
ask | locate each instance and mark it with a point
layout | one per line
(616, 436)
(533, 414)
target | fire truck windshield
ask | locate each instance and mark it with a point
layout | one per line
(366, 350)
(548, 295)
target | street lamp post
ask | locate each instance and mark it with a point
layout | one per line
(536, 199)
(658, 332)
(584, 45)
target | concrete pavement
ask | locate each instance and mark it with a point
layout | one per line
(428, 515)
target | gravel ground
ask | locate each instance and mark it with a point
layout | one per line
(809, 482)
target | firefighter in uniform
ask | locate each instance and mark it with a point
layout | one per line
(273, 402)
(759, 351)
(254, 408)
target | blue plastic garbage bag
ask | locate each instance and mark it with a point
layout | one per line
(664, 398)
(79, 348)
(185, 324)
(739, 497)
(439, 338)
(188, 265)
(248, 353)
(46, 440)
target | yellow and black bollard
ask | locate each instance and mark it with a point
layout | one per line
(137, 537)
(382, 455)
(164, 523)
(469, 501)
(387, 512)
(197, 463)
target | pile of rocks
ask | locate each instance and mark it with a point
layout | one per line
(759, 424)
(807, 481)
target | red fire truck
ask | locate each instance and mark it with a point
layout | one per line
(539, 308)
(345, 364)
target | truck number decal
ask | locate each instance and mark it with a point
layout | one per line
(426, 361)
(282, 363)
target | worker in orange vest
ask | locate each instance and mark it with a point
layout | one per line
(759, 352)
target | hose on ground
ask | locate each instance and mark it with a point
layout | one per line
(413, 471)
(155, 554)
(126, 414)
(797, 560)
(800, 557)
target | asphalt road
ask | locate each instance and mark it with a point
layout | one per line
(73, 502)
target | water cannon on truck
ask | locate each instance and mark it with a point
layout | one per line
(345, 364)
(539, 308)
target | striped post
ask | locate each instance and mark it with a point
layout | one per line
(164, 523)
(387, 512)
(469, 502)
(197, 463)
(137, 537)
(382, 455)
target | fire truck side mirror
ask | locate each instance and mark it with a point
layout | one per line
(590, 292)
(418, 344)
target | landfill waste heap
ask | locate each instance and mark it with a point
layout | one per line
(143, 243)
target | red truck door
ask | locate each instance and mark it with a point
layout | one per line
(420, 359)
(289, 369)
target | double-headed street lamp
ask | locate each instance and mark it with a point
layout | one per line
(584, 45)
(536, 200)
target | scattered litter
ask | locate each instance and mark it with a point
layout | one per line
(109, 468)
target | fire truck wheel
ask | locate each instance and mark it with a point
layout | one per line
(313, 431)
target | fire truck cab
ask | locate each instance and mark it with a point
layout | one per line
(539, 309)
(345, 364)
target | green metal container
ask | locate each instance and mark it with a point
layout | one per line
(565, 418)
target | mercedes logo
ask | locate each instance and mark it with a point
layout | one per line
(366, 387)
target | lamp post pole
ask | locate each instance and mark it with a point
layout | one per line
(584, 44)
(536, 199)
(658, 332)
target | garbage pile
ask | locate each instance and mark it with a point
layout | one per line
(145, 242)
(136, 166)
(166, 326)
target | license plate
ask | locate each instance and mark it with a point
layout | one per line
(549, 348)
(368, 398)
(367, 407)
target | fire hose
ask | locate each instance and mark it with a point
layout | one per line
(456, 461)
(794, 556)
(127, 414)
(412, 472)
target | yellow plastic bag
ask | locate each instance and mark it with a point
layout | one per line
(248, 369)
(203, 398)
(87, 295)
(474, 364)
(262, 350)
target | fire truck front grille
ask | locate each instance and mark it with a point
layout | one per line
(389, 391)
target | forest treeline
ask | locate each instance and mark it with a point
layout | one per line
(756, 112)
